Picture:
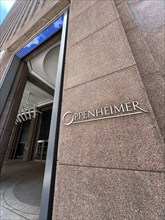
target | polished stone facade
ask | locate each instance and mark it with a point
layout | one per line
(114, 168)
(106, 168)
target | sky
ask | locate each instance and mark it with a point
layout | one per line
(5, 6)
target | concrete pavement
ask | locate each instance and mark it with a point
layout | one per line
(20, 190)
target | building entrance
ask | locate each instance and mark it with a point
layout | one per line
(34, 67)
(42, 143)
(41, 150)
(29, 139)
(28, 145)
(31, 147)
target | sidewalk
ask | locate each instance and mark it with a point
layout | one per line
(20, 190)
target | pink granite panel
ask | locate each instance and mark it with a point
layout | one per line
(96, 17)
(78, 7)
(92, 193)
(104, 52)
(132, 142)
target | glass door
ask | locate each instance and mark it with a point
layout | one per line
(41, 150)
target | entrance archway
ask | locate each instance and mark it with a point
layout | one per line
(12, 89)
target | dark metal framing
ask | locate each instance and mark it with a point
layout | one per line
(46, 205)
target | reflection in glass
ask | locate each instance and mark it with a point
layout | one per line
(41, 37)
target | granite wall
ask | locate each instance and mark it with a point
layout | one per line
(144, 24)
(113, 168)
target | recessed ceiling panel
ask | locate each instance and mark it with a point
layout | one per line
(44, 65)
(33, 95)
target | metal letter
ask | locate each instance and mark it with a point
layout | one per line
(80, 115)
(76, 116)
(106, 111)
(63, 118)
(111, 110)
(85, 115)
(128, 105)
(121, 108)
(91, 113)
(135, 106)
(99, 112)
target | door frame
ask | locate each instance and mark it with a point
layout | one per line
(46, 205)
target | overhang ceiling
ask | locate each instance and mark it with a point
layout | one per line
(44, 65)
(33, 95)
(44, 68)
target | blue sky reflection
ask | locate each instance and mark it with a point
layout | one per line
(40, 38)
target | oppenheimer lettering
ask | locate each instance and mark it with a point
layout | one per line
(112, 111)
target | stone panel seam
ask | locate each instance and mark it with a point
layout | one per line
(100, 77)
(133, 52)
(117, 4)
(117, 19)
(131, 29)
(148, 32)
(119, 10)
(112, 168)
(151, 72)
(83, 11)
(136, 3)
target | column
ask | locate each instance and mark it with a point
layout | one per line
(11, 108)
(112, 168)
